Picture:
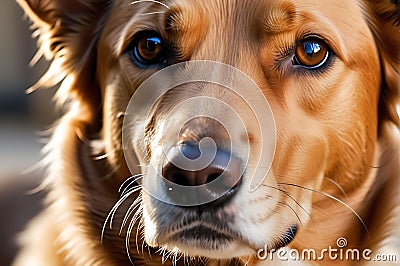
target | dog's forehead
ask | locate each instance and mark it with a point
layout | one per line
(272, 16)
(238, 16)
(269, 16)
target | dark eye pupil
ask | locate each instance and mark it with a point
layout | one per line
(152, 43)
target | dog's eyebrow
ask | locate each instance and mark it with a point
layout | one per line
(278, 18)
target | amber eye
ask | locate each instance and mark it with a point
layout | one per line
(148, 49)
(311, 53)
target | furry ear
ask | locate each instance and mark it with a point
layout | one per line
(384, 20)
(67, 32)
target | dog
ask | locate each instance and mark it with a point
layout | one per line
(329, 71)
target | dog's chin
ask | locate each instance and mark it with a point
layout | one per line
(233, 250)
(207, 243)
(203, 241)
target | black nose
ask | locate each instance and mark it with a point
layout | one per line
(214, 173)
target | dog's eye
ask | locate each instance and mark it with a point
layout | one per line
(148, 49)
(311, 53)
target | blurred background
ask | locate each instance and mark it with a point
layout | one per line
(22, 119)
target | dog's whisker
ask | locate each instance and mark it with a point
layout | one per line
(131, 190)
(103, 230)
(121, 200)
(164, 257)
(110, 217)
(128, 242)
(134, 220)
(186, 259)
(130, 210)
(150, 1)
(135, 179)
(143, 244)
(111, 214)
(176, 257)
(168, 255)
(292, 198)
(201, 259)
(293, 210)
(334, 198)
(337, 185)
(148, 250)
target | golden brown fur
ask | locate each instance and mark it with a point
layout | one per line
(337, 132)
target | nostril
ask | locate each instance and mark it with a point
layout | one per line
(214, 176)
(178, 178)
(190, 178)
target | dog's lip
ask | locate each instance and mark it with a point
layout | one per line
(208, 236)
(200, 230)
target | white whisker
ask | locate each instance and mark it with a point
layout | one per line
(130, 210)
(139, 232)
(130, 190)
(111, 214)
(119, 203)
(127, 240)
(135, 179)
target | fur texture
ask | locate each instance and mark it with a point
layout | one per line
(336, 169)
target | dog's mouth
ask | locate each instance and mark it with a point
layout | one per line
(207, 237)
(208, 234)
(203, 239)
(203, 236)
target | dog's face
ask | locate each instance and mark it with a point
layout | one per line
(311, 67)
(319, 65)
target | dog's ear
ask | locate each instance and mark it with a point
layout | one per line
(384, 20)
(67, 32)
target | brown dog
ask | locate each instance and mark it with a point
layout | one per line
(329, 70)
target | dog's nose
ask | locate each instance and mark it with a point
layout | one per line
(216, 173)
